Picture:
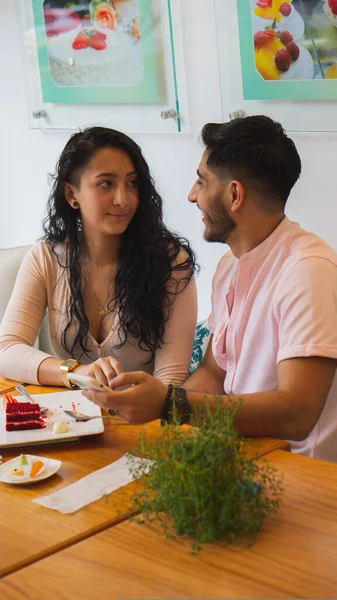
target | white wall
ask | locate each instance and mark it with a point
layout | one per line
(28, 155)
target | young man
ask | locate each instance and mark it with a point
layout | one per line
(274, 300)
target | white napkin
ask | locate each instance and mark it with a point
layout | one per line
(90, 488)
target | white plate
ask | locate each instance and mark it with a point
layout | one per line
(56, 403)
(51, 467)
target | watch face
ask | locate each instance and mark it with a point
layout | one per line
(68, 363)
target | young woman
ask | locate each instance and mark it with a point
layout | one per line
(117, 285)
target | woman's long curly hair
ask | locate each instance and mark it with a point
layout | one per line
(147, 254)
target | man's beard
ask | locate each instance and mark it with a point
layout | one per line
(219, 225)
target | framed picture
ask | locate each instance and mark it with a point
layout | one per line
(279, 58)
(118, 63)
(95, 51)
(288, 49)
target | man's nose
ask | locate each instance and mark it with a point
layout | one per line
(192, 196)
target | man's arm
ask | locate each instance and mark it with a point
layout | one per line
(208, 377)
(291, 411)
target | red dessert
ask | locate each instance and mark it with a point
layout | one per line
(22, 415)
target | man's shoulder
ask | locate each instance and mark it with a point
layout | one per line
(305, 245)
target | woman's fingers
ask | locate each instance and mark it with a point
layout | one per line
(133, 378)
(105, 369)
(88, 394)
(97, 373)
(139, 404)
(103, 399)
(99, 398)
(116, 365)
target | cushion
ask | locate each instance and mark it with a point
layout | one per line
(10, 261)
(200, 343)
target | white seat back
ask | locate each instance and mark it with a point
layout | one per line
(10, 261)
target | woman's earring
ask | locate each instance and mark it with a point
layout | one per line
(76, 204)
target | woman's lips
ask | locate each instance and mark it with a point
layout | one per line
(118, 216)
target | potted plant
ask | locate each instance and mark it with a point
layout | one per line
(201, 484)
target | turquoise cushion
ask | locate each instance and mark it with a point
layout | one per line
(200, 343)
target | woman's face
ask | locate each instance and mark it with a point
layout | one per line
(107, 192)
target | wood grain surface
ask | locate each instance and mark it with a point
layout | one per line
(295, 555)
(30, 531)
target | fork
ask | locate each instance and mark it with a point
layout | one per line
(81, 417)
(21, 388)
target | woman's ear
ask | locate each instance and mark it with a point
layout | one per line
(70, 192)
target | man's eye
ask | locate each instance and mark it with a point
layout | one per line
(199, 182)
(105, 184)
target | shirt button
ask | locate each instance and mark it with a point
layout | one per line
(231, 367)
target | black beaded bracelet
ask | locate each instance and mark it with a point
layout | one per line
(177, 409)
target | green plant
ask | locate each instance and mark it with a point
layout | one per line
(201, 483)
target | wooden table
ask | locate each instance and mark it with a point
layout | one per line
(295, 555)
(30, 532)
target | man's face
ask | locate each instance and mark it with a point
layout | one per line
(209, 193)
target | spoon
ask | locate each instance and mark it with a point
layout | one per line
(21, 388)
(81, 417)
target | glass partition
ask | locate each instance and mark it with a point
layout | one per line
(108, 62)
(279, 57)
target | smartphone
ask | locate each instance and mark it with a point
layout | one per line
(87, 383)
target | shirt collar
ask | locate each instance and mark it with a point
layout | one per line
(270, 242)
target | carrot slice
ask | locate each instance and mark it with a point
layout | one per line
(36, 466)
(9, 399)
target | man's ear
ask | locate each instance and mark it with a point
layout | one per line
(70, 192)
(236, 193)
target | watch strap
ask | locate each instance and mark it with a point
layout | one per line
(64, 373)
(177, 409)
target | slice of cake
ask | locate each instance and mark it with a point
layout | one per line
(22, 415)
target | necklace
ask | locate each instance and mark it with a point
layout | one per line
(101, 311)
(101, 264)
(102, 305)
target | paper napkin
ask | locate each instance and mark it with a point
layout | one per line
(90, 488)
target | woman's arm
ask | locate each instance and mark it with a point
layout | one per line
(22, 320)
(21, 324)
(172, 360)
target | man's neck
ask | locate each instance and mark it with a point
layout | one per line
(246, 237)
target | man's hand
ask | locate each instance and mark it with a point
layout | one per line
(104, 370)
(141, 403)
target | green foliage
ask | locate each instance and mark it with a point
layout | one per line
(201, 484)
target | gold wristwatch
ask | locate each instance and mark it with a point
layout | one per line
(65, 368)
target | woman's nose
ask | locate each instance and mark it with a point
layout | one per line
(121, 196)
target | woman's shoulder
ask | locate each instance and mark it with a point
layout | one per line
(183, 258)
(43, 254)
(180, 257)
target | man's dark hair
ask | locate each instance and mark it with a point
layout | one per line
(257, 152)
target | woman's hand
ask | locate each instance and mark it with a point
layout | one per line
(105, 370)
(141, 403)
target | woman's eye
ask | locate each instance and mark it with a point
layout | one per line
(105, 184)
(133, 182)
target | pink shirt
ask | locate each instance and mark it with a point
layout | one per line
(276, 302)
(42, 285)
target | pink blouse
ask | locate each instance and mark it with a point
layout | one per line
(42, 285)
